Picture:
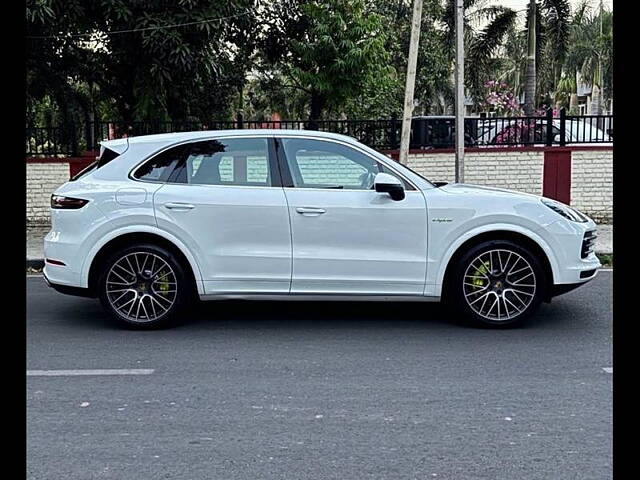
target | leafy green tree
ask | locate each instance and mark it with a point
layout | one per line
(434, 88)
(136, 55)
(328, 50)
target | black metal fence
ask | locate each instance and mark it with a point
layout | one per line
(52, 141)
(426, 132)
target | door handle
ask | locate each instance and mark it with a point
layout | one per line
(310, 211)
(179, 206)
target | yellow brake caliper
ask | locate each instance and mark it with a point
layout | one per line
(479, 276)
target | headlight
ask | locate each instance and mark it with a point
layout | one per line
(565, 210)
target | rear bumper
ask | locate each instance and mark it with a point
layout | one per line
(69, 290)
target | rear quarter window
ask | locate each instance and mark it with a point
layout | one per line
(107, 155)
(158, 168)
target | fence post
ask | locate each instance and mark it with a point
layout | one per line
(394, 137)
(563, 127)
(549, 141)
(74, 140)
(88, 134)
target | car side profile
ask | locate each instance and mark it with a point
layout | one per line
(160, 221)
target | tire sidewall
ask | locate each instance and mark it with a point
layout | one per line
(182, 287)
(457, 292)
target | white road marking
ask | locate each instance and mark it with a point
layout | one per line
(74, 373)
(608, 369)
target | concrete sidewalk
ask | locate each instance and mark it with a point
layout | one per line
(35, 237)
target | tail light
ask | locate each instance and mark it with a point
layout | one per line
(68, 203)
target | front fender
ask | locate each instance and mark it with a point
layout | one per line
(435, 280)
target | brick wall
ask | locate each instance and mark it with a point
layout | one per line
(592, 183)
(42, 179)
(591, 188)
(515, 170)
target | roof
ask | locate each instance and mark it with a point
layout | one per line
(121, 144)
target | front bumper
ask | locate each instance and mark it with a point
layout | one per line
(562, 288)
(573, 264)
(574, 245)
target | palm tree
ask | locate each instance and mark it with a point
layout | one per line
(591, 51)
(513, 60)
(537, 58)
(481, 45)
(555, 23)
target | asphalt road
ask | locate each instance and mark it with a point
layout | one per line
(248, 390)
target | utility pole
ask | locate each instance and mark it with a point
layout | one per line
(411, 80)
(459, 124)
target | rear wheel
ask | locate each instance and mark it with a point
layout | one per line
(143, 286)
(498, 284)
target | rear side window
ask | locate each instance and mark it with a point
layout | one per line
(234, 161)
(160, 167)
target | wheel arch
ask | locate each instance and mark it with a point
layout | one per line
(124, 238)
(526, 239)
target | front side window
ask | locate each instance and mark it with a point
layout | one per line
(236, 161)
(323, 164)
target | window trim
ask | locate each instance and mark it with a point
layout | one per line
(274, 171)
(288, 178)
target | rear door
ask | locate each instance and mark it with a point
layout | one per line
(225, 200)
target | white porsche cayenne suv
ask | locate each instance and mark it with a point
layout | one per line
(160, 221)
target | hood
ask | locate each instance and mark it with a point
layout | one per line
(466, 189)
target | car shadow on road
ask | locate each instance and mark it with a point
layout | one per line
(272, 315)
(321, 315)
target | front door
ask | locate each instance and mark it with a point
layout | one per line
(225, 200)
(347, 238)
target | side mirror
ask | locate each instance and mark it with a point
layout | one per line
(385, 183)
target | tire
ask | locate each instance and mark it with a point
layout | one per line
(154, 296)
(497, 284)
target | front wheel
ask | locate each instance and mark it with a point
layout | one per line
(143, 286)
(498, 284)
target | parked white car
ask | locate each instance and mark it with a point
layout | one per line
(493, 132)
(162, 220)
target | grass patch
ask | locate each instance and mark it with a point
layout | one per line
(606, 259)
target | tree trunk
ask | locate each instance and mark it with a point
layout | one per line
(596, 103)
(573, 104)
(318, 102)
(530, 74)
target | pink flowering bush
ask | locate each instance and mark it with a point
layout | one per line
(542, 112)
(500, 99)
(521, 132)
